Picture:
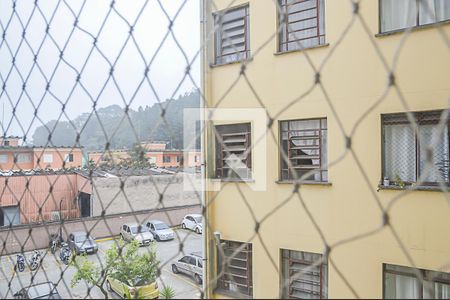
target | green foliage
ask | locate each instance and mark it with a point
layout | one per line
(129, 266)
(144, 124)
(167, 293)
(123, 262)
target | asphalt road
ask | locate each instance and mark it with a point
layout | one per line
(54, 270)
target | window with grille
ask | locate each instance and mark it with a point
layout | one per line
(405, 151)
(401, 14)
(403, 283)
(301, 278)
(68, 157)
(232, 41)
(6, 143)
(48, 158)
(301, 24)
(166, 158)
(233, 151)
(23, 158)
(304, 142)
(3, 158)
(236, 269)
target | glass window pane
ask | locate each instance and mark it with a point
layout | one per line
(432, 11)
(401, 287)
(437, 170)
(399, 153)
(397, 14)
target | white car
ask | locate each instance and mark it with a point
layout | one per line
(193, 222)
(160, 230)
(133, 231)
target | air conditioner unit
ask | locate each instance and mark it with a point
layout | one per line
(56, 216)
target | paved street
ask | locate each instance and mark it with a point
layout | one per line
(52, 268)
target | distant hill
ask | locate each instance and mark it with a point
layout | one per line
(145, 124)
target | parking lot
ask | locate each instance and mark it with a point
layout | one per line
(52, 269)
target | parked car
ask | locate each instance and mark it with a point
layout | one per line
(45, 290)
(160, 230)
(141, 290)
(134, 231)
(80, 242)
(191, 265)
(193, 222)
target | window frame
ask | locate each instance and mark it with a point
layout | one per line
(28, 160)
(418, 115)
(281, 160)
(416, 26)
(247, 48)
(307, 264)
(320, 6)
(219, 167)
(166, 158)
(248, 251)
(4, 158)
(420, 283)
(47, 155)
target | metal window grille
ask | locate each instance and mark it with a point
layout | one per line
(301, 24)
(406, 149)
(418, 12)
(403, 282)
(301, 278)
(232, 35)
(235, 268)
(233, 155)
(305, 143)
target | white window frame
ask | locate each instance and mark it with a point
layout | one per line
(21, 158)
(47, 158)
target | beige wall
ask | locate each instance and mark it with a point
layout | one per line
(354, 79)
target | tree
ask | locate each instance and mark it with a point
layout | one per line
(123, 263)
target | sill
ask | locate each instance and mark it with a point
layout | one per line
(237, 62)
(415, 28)
(324, 183)
(231, 294)
(432, 188)
(248, 180)
(301, 50)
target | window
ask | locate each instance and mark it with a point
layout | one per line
(237, 275)
(301, 24)
(48, 158)
(3, 158)
(68, 157)
(6, 143)
(166, 158)
(403, 283)
(401, 14)
(185, 260)
(232, 35)
(233, 151)
(305, 144)
(405, 151)
(11, 215)
(178, 158)
(196, 158)
(312, 284)
(23, 158)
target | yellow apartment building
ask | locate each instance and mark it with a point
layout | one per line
(353, 203)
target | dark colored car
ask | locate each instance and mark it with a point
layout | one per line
(80, 243)
(46, 290)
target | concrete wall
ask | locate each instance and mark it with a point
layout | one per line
(140, 193)
(37, 235)
(354, 78)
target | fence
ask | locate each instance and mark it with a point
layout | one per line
(328, 77)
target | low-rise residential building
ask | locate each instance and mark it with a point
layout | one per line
(14, 156)
(375, 222)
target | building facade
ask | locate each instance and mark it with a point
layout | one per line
(341, 153)
(14, 156)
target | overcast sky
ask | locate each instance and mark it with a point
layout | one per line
(165, 73)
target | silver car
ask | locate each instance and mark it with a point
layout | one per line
(191, 265)
(160, 230)
(80, 242)
(193, 222)
(134, 231)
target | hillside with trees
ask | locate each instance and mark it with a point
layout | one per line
(122, 131)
